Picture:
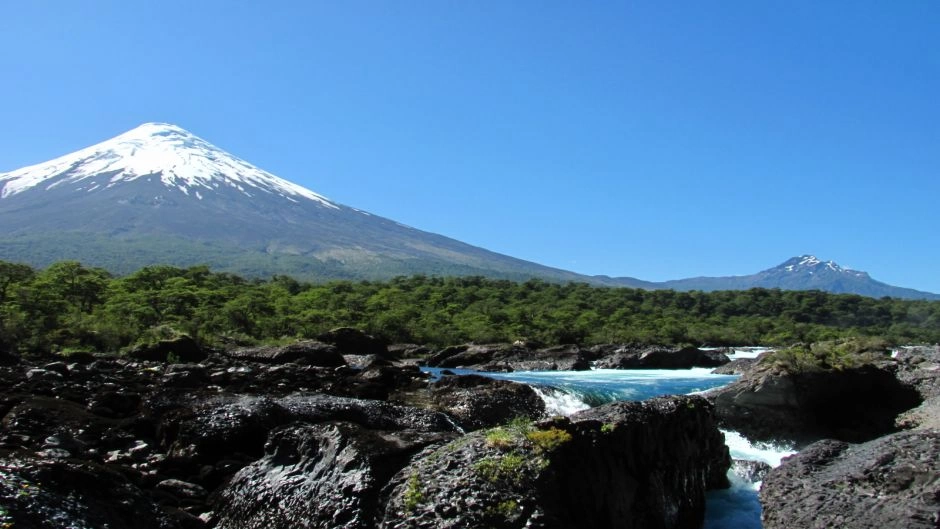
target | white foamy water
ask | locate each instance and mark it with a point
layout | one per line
(747, 352)
(769, 453)
(560, 402)
(738, 507)
(567, 392)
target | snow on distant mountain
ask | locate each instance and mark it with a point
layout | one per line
(159, 194)
(182, 160)
(805, 272)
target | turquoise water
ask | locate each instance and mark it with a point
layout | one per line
(566, 392)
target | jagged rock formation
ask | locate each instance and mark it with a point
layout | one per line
(854, 404)
(892, 481)
(607, 467)
(275, 438)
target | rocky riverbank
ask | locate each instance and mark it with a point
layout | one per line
(315, 434)
(890, 477)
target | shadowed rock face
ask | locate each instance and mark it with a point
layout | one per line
(268, 440)
(506, 357)
(325, 475)
(630, 465)
(855, 404)
(479, 402)
(626, 357)
(893, 481)
(54, 493)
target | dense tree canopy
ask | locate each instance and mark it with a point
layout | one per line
(70, 306)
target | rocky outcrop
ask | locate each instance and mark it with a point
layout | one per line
(630, 465)
(479, 402)
(893, 481)
(351, 341)
(182, 348)
(308, 352)
(920, 368)
(630, 357)
(735, 367)
(512, 357)
(852, 404)
(51, 493)
(326, 476)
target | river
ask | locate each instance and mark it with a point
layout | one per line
(566, 392)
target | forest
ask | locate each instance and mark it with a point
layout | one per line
(71, 307)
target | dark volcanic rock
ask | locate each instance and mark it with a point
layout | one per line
(628, 357)
(408, 350)
(893, 481)
(8, 359)
(853, 404)
(480, 402)
(506, 357)
(631, 465)
(308, 352)
(735, 367)
(221, 427)
(184, 348)
(920, 368)
(351, 341)
(325, 476)
(52, 494)
(372, 414)
(466, 355)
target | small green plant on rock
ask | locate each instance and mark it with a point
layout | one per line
(507, 508)
(548, 440)
(505, 436)
(508, 468)
(608, 427)
(413, 495)
(499, 438)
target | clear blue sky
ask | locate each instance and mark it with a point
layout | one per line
(650, 139)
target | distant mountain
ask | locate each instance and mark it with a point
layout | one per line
(159, 194)
(805, 272)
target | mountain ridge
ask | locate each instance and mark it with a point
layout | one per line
(160, 194)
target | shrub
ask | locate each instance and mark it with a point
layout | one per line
(548, 440)
(507, 468)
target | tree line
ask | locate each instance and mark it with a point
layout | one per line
(68, 306)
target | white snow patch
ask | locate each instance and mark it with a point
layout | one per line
(809, 260)
(181, 159)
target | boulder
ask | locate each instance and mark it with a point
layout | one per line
(236, 426)
(354, 342)
(893, 481)
(466, 355)
(408, 350)
(852, 404)
(319, 476)
(631, 357)
(506, 357)
(735, 367)
(920, 368)
(632, 465)
(183, 348)
(476, 401)
(307, 352)
(55, 493)
(8, 359)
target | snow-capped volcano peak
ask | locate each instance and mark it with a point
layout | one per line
(182, 160)
(812, 264)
